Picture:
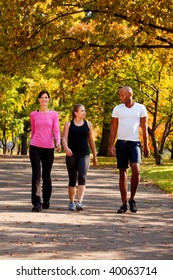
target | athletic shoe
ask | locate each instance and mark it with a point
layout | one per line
(79, 206)
(46, 205)
(72, 206)
(122, 209)
(133, 207)
(37, 208)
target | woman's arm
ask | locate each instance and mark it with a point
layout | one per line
(56, 131)
(32, 124)
(65, 139)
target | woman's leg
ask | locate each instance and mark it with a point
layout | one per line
(72, 174)
(47, 161)
(35, 158)
(72, 193)
(83, 166)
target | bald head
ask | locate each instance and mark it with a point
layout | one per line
(126, 90)
(126, 94)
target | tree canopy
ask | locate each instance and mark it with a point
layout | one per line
(84, 51)
(80, 32)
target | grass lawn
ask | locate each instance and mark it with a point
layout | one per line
(161, 175)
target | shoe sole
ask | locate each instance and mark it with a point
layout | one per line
(79, 208)
(121, 212)
(122, 209)
(36, 210)
(133, 211)
(46, 206)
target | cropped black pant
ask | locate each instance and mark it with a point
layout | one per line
(41, 158)
(77, 167)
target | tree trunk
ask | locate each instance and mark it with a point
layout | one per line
(159, 159)
(24, 137)
(157, 153)
(171, 150)
(103, 150)
(4, 150)
(4, 142)
(24, 144)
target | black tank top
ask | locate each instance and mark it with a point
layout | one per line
(78, 138)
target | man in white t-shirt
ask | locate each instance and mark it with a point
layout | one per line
(127, 118)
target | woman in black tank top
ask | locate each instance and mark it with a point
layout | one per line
(78, 138)
(77, 134)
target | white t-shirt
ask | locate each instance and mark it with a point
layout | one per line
(129, 120)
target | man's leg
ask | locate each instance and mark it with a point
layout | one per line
(123, 174)
(135, 178)
(135, 160)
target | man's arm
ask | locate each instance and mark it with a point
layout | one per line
(92, 143)
(144, 126)
(112, 136)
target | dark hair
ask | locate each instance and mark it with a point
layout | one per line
(75, 109)
(44, 91)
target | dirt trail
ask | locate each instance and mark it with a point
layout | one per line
(96, 233)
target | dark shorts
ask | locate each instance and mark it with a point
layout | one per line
(127, 152)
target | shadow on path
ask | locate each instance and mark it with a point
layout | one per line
(98, 232)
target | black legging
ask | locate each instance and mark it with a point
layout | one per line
(77, 167)
(37, 156)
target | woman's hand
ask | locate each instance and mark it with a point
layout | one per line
(58, 148)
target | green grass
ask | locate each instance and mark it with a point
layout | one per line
(106, 161)
(160, 175)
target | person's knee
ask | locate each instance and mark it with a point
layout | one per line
(135, 169)
(72, 183)
(81, 180)
(123, 173)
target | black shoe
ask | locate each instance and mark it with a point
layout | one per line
(36, 208)
(46, 205)
(133, 207)
(122, 209)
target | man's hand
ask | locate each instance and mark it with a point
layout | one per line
(146, 152)
(112, 151)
